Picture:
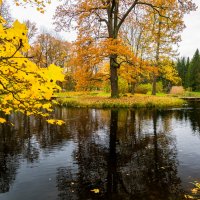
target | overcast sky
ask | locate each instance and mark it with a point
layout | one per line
(43, 21)
(190, 36)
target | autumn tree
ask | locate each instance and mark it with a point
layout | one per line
(47, 49)
(166, 33)
(102, 20)
(155, 36)
(169, 74)
(24, 87)
(85, 66)
(135, 36)
(137, 32)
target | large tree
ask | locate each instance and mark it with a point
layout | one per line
(153, 36)
(103, 20)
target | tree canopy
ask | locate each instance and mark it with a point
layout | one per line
(24, 87)
(99, 24)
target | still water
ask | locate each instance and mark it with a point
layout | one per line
(126, 154)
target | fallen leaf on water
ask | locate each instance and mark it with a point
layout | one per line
(162, 167)
(194, 191)
(188, 196)
(95, 191)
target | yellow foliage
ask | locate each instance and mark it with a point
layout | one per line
(51, 121)
(169, 72)
(54, 121)
(24, 86)
(96, 191)
(60, 122)
(189, 197)
(194, 190)
(2, 120)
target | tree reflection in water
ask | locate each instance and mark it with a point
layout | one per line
(24, 142)
(9, 149)
(126, 154)
(136, 161)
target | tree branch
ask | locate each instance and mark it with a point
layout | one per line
(126, 14)
(20, 46)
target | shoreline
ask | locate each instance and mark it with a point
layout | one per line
(135, 101)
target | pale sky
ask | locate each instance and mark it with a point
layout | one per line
(190, 36)
(43, 21)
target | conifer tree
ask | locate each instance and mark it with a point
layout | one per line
(183, 70)
(194, 72)
(182, 66)
(179, 67)
(187, 73)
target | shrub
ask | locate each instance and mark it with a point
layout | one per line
(143, 88)
(106, 86)
(159, 86)
(123, 85)
(177, 90)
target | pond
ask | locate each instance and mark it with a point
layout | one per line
(119, 154)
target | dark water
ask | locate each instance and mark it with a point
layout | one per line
(126, 154)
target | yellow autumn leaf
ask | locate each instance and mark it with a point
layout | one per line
(7, 111)
(51, 121)
(96, 191)
(47, 105)
(194, 190)
(2, 120)
(54, 121)
(188, 197)
(60, 122)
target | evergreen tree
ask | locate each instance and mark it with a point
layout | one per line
(179, 67)
(194, 72)
(182, 69)
(187, 73)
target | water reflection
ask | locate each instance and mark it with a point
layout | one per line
(9, 149)
(126, 154)
(134, 162)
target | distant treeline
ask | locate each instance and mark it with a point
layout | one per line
(189, 71)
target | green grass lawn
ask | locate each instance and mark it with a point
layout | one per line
(96, 99)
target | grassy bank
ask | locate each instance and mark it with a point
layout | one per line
(103, 100)
(191, 94)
